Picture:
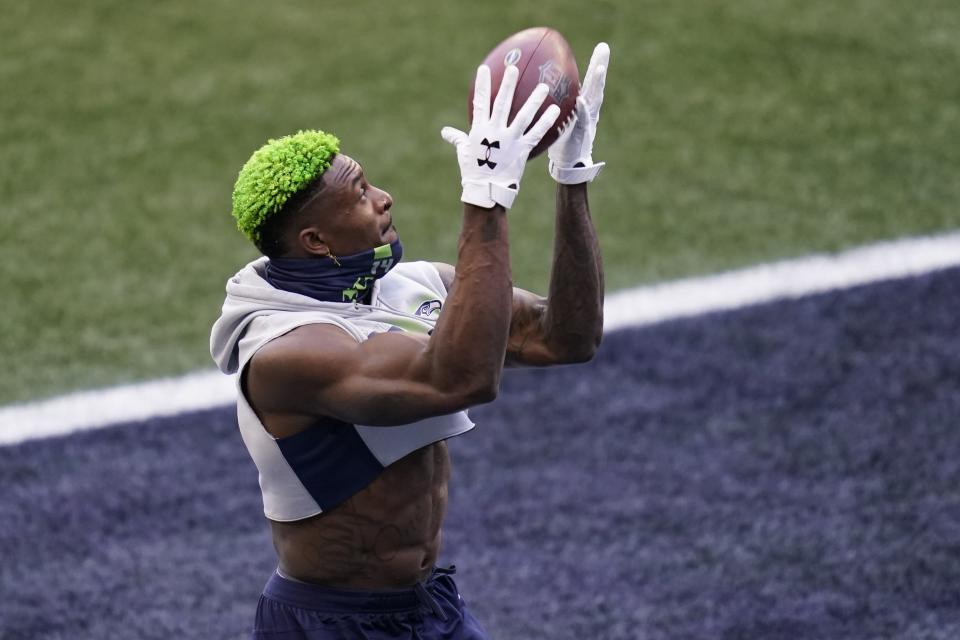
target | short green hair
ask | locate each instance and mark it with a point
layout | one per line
(275, 173)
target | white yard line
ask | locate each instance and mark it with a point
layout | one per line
(630, 308)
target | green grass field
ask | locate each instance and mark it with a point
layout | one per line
(733, 132)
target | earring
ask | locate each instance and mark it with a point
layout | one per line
(334, 258)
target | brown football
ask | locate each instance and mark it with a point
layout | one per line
(540, 54)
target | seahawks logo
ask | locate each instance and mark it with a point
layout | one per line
(427, 309)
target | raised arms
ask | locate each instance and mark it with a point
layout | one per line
(396, 378)
(567, 326)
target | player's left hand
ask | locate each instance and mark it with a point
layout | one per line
(571, 156)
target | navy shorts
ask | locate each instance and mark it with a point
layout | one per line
(290, 610)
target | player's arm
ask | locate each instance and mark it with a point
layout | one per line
(567, 326)
(396, 378)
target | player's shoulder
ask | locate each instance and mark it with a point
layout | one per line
(447, 273)
(309, 345)
(421, 273)
(417, 269)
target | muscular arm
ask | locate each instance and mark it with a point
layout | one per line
(395, 378)
(566, 327)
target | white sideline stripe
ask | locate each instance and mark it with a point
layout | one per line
(630, 308)
(128, 403)
(781, 280)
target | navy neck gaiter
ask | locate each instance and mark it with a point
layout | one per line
(344, 279)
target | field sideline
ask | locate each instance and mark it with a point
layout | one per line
(628, 308)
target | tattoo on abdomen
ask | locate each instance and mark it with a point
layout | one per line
(352, 545)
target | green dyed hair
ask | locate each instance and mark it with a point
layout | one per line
(275, 173)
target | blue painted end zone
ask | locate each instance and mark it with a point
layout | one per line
(788, 471)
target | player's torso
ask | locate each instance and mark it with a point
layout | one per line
(385, 536)
(387, 533)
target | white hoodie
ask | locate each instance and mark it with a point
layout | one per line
(315, 470)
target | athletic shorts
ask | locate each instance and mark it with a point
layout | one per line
(291, 610)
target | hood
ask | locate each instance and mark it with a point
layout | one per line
(249, 296)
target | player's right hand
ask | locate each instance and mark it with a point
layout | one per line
(493, 155)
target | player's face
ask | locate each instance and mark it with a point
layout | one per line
(356, 214)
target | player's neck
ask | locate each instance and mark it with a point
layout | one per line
(335, 279)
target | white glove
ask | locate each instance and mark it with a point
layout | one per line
(571, 156)
(492, 157)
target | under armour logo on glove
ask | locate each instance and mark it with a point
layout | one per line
(486, 159)
(487, 183)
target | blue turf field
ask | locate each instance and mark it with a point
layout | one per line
(789, 471)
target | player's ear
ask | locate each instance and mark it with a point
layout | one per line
(312, 241)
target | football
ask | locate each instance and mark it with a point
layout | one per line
(540, 54)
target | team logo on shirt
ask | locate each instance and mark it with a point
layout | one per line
(428, 308)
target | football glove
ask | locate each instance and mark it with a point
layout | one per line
(493, 155)
(571, 156)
